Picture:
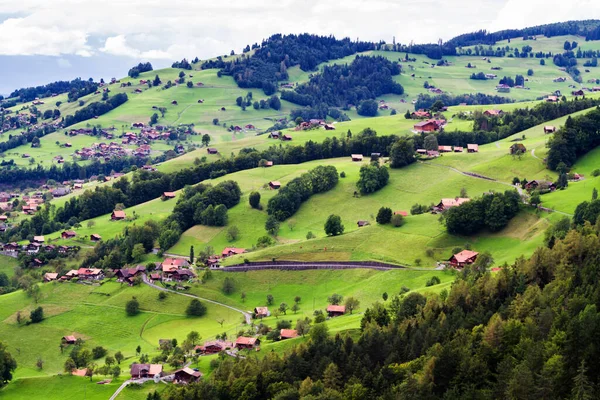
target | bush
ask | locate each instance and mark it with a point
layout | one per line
(333, 225)
(397, 220)
(132, 307)
(264, 241)
(195, 308)
(36, 315)
(384, 215)
(342, 174)
(98, 352)
(254, 200)
(228, 285)
(372, 178)
(434, 280)
(596, 172)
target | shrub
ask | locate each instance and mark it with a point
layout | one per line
(228, 285)
(384, 215)
(434, 280)
(98, 352)
(132, 307)
(342, 174)
(195, 308)
(596, 172)
(36, 315)
(397, 220)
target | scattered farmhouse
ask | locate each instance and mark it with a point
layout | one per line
(517, 148)
(288, 333)
(549, 129)
(472, 148)
(446, 204)
(261, 312)
(465, 257)
(117, 215)
(357, 157)
(244, 342)
(336, 311)
(186, 375)
(213, 347)
(274, 184)
(139, 371)
(232, 251)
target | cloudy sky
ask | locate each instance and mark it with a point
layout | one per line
(45, 40)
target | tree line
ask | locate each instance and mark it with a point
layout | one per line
(95, 109)
(290, 197)
(135, 71)
(343, 85)
(76, 88)
(491, 211)
(270, 61)
(578, 136)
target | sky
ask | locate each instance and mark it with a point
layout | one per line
(46, 40)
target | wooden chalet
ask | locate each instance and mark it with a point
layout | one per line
(493, 113)
(213, 347)
(549, 129)
(38, 239)
(169, 195)
(458, 149)
(128, 275)
(472, 148)
(465, 257)
(186, 375)
(357, 157)
(261, 312)
(69, 339)
(274, 184)
(420, 114)
(212, 150)
(50, 276)
(288, 334)
(445, 149)
(243, 342)
(422, 151)
(268, 164)
(90, 274)
(446, 204)
(232, 251)
(362, 223)
(94, 237)
(68, 234)
(517, 148)
(139, 371)
(286, 138)
(118, 215)
(431, 125)
(542, 185)
(274, 135)
(403, 213)
(336, 311)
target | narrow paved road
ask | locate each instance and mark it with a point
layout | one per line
(246, 315)
(533, 154)
(127, 382)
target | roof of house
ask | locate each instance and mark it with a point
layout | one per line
(38, 239)
(50, 275)
(454, 202)
(137, 369)
(464, 256)
(119, 214)
(472, 146)
(70, 233)
(358, 156)
(334, 308)
(403, 213)
(70, 338)
(262, 310)
(89, 271)
(169, 194)
(289, 333)
(494, 112)
(246, 340)
(189, 371)
(235, 250)
(275, 183)
(173, 264)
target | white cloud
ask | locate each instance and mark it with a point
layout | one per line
(160, 29)
(63, 63)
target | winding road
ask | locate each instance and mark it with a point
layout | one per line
(246, 315)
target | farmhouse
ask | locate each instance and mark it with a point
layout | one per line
(213, 347)
(68, 234)
(50, 276)
(552, 99)
(91, 274)
(128, 274)
(336, 311)
(94, 237)
(288, 334)
(139, 371)
(286, 138)
(274, 135)
(421, 151)
(463, 258)
(403, 213)
(549, 129)
(173, 264)
(493, 113)
(446, 204)
(357, 157)
(69, 339)
(472, 148)
(517, 148)
(274, 184)
(431, 125)
(117, 215)
(169, 195)
(212, 150)
(445, 149)
(458, 149)
(59, 192)
(261, 312)
(542, 185)
(362, 223)
(38, 239)
(243, 342)
(420, 114)
(186, 375)
(577, 92)
(231, 251)
(268, 164)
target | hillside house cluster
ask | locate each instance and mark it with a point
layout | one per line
(471, 148)
(312, 124)
(213, 347)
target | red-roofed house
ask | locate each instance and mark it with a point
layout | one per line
(213, 347)
(169, 195)
(288, 334)
(243, 342)
(69, 339)
(68, 234)
(472, 148)
(445, 204)
(231, 251)
(493, 113)
(403, 213)
(117, 215)
(261, 312)
(336, 311)
(274, 184)
(186, 375)
(463, 258)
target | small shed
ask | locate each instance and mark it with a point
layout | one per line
(274, 184)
